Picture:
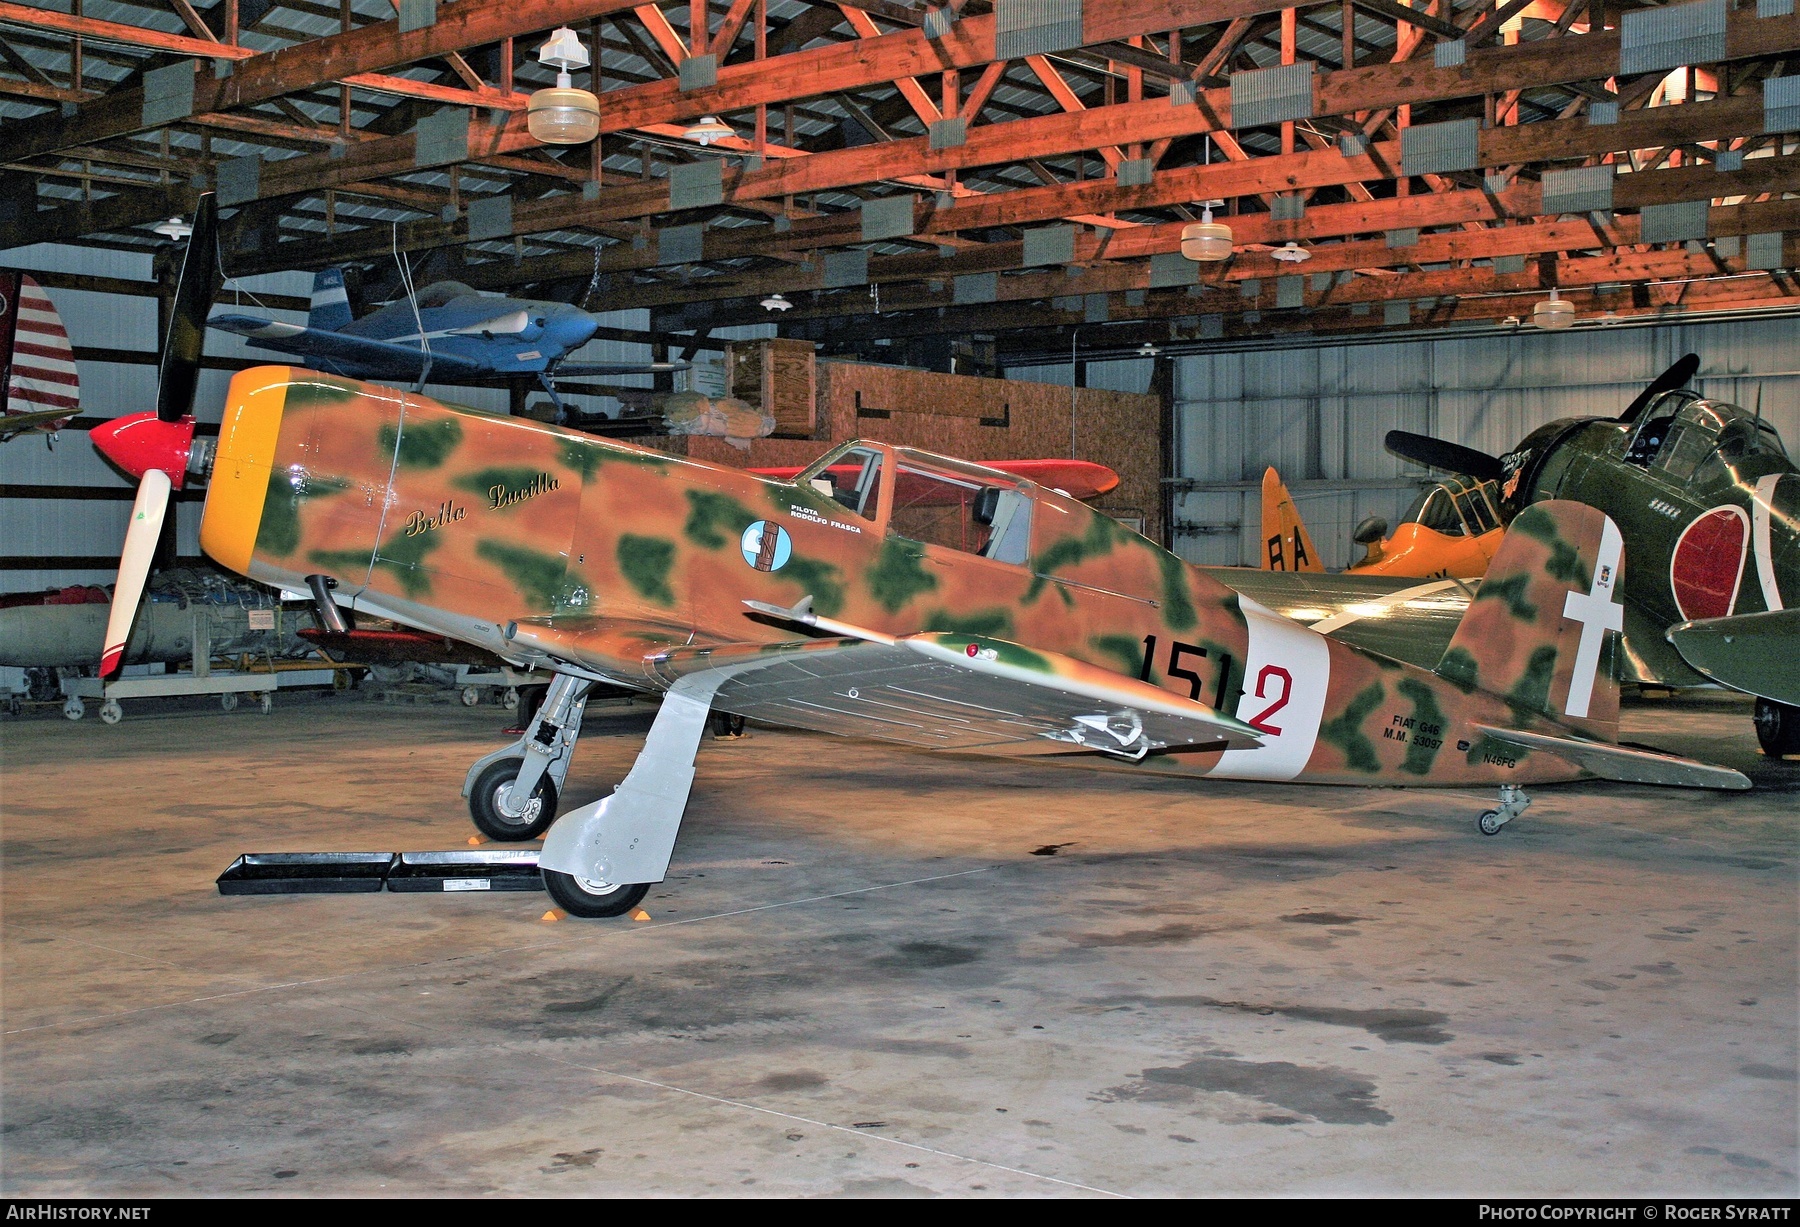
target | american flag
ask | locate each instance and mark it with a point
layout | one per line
(38, 371)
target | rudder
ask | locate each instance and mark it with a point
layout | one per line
(1286, 545)
(1543, 630)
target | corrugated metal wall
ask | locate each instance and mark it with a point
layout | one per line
(1319, 415)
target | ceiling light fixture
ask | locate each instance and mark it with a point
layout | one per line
(1292, 253)
(1554, 312)
(563, 115)
(1206, 240)
(709, 130)
(174, 229)
(775, 302)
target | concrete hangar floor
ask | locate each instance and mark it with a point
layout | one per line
(860, 980)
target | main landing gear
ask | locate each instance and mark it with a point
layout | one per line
(1512, 803)
(1777, 727)
(601, 859)
(513, 792)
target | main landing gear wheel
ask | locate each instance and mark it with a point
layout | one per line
(493, 789)
(592, 900)
(726, 726)
(1777, 727)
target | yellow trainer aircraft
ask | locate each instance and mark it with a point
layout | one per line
(1451, 531)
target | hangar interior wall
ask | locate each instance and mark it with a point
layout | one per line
(1319, 415)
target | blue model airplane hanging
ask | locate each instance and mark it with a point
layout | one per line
(449, 333)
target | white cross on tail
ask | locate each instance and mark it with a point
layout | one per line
(1598, 613)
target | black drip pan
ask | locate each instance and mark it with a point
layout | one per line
(298, 873)
(476, 869)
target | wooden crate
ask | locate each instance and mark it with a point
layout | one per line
(778, 377)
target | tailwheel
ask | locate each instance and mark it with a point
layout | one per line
(592, 900)
(498, 815)
(1777, 727)
(1512, 803)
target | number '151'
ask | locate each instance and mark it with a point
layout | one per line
(1272, 681)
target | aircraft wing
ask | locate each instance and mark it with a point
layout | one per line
(1081, 479)
(574, 370)
(341, 353)
(1406, 619)
(1754, 653)
(1622, 763)
(17, 423)
(949, 692)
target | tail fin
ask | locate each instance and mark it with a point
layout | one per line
(1543, 631)
(1286, 546)
(330, 303)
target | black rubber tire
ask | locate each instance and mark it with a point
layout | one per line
(725, 724)
(1777, 727)
(1486, 824)
(484, 805)
(575, 899)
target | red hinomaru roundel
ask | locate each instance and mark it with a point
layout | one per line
(1708, 562)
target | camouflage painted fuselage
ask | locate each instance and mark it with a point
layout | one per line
(536, 542)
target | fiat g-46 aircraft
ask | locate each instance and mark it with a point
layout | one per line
(883, 593)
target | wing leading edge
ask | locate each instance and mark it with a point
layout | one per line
(950, 692)
(324, 349)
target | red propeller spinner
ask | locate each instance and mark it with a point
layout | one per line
(140, 442)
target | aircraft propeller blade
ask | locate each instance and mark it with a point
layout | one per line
(134, 565)
(156, 447)
(1439, 454)
(1676, 376)
(178, 371)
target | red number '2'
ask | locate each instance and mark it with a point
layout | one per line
(1260, 720)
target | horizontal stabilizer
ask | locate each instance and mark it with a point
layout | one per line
(1757, 653)
(257, 327)
(1622, 763)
